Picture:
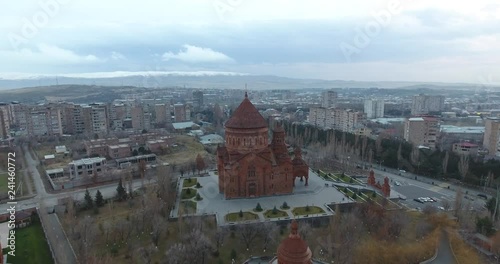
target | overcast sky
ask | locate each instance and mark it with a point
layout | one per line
(372, 40)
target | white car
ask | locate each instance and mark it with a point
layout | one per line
(403, 171)
(397, 183)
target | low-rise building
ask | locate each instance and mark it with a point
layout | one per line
(86, 167)
(465, 148)
(119, 151)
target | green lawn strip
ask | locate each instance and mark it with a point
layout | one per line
(278, 213)
(31, 246)
(235, 217)
(186, 195)
(189, 182)
(312, 210)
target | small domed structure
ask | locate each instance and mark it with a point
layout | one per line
(293, 249)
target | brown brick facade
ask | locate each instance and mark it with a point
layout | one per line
(250, 167)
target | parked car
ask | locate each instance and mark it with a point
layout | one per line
(418, 200)
(403, 171)
(482, 195)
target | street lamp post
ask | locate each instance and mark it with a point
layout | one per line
(380, 165)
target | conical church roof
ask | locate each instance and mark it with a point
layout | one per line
(246, 116)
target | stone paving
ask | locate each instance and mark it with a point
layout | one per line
(213, 203)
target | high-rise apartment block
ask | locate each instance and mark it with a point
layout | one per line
(374, 108)
(197, 100)
(4, 121)
(422, 131)
(424, 104)
(491, 140)
(342, 119)
(329, 99)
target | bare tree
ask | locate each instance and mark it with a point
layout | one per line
(219, 236)
(458, 201)
(200, 163)
(248, 233)
(305, 230)
(86, 230)
(463, 166)
(444, 165)
(157, 228)
(269, 232)
(445, 204)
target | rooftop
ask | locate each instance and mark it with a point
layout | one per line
(183, 125)
(464, 130)
(246, 116)
(87, 161)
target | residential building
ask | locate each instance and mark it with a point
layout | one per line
(4, 121)
(346, 120)
(180, 112)
(453, 134)
(162, 115)
(197, 100)
(465, 148)
(86, 167)
(44, 122)
(422, 131)
(424, 104)
(119, 151)
(491, 140)
(374, 108)
(329, 99)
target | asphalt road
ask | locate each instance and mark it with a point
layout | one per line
(411, 189)
(445, 255)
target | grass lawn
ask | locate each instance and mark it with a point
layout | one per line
(235, 217)
(279, 213)
(186, 195)
(186, 151)
(186, 183)
(188, 207)
(302, 210)
(31, 246)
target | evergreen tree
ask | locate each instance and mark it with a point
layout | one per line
(121, 194)
(88, 199)
(99, 200)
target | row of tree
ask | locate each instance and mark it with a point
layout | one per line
(330, 145)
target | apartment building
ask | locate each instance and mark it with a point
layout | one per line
(329, 99)
(44, 122)
(422, 131)
(342, 119)
(86, 167)
(465, 148)
(180, 112)
(197, 100)
(424, 104)
(119, 151)
(4, 121)
(491, 140)
(374, 108)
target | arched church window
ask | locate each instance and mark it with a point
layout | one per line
(251, 171)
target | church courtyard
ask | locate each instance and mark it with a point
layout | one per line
(304, 202)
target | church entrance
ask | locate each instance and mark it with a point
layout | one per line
(252, 189)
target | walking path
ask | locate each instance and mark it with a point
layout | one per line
(445, 254)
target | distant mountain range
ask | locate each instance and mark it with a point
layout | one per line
(207, 79)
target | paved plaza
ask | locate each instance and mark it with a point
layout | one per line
(214, 203)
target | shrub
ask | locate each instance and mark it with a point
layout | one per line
(189, 180)
(258, 208)
(198, 197)
(198, 185)
(275, 211)
(374, 194)
(354, 196)
(240, 213)
(307, 208)
(188, 191)
(285, 205)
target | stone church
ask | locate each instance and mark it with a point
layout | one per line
(248, 165)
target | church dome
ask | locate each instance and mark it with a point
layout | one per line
(293, 249)
(246, 116)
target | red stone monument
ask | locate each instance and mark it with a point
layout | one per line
(371, 178)
(248, 165)
(386, 188)
(293, 249)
